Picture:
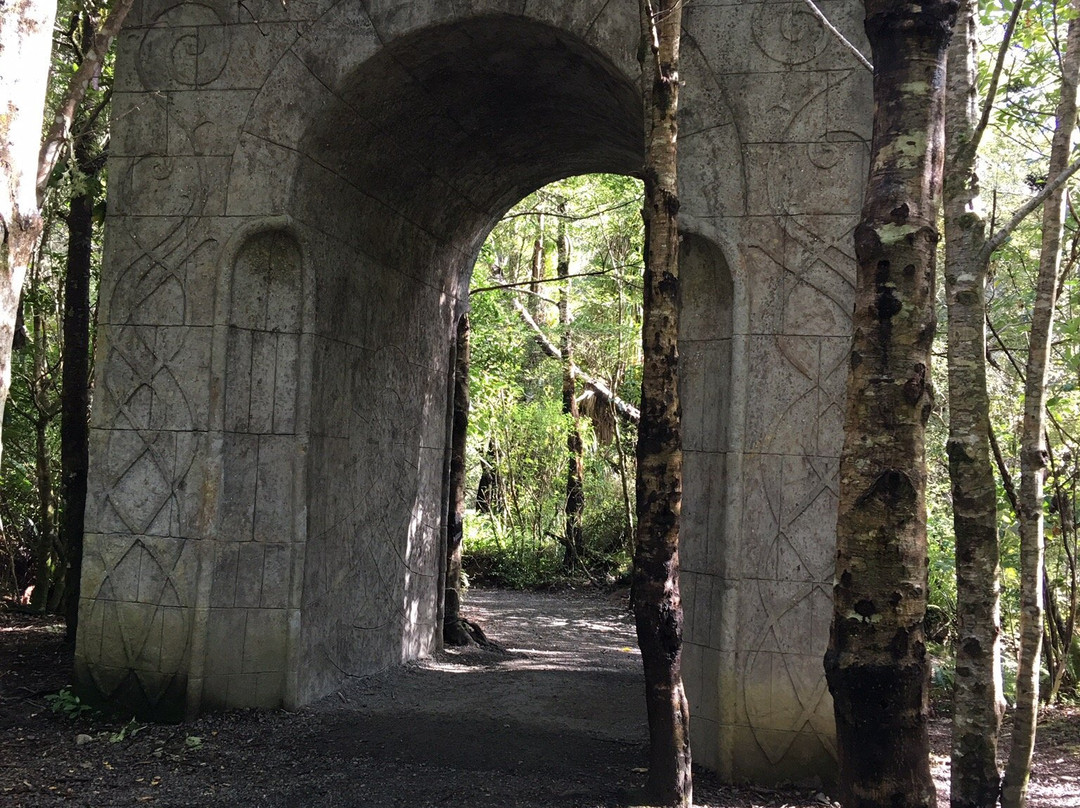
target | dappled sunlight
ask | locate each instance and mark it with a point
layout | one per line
(564, 662)
(1055, 772)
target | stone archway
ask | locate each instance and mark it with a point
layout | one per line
(298, 195)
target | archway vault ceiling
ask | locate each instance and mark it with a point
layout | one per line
(451, 125)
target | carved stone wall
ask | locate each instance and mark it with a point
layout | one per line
(257, 541)
(298, 195)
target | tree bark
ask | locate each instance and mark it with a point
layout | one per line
(90, 64)
(1065, 627)
(27, 158)
(75, 394)
(44, 410)
(628, 502)
(25, 53)
(657, 604)
(877, 666)
(43, 553)
(978, 702)
(489, 490)
(536, 268)
(1033, 452)
(453, 631)
(575, 466)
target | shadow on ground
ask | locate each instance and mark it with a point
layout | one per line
(557, 721)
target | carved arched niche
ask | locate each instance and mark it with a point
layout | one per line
(258, 537)
(705, 382)
(705, 335)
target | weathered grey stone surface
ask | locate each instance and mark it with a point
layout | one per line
(299, 191)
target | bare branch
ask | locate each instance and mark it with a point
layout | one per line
(1025, 210)
(89, 68)
(832, 29)
(625, 409)
(1006, 478)
(538, 281)
(571, 216)
(995, 76)
(1005, 348)
(95, 113)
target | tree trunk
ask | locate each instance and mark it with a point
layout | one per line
(75, 395)
(1059, 629)
(575, 471)
(25, 55)
(657, 604)
(877, 665)
(627, 501)
(489, 491)
(1032, 447)
(43, 553)
(1065, 626)
(20, 238)
(453, 631)
(977, 699)
(1057, 637)
(536, 269)
(44, 410)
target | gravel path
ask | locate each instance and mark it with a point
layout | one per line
(555, 721)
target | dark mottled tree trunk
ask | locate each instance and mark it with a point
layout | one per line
(977, 697)
(75, 396)
(1033, 451)
(877, 665)
(657, 604)
(536, 268)
(489, 497)
(575, 465)
(453, 631)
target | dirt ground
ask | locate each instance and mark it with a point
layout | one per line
(556, 722)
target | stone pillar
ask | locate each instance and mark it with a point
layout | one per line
(284, 252)
(774, 157)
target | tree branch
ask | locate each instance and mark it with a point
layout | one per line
(95, 113)
(574, 217)
(1005, 348)
(995, 77)
(625, 409)
(538, 281)
(89, 68)
(832, 29)
(1003, 470)
(1025, 210)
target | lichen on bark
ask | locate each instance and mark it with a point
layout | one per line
(657, 603)
(877, 664)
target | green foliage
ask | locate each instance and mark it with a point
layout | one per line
(30, 509)
(128, 730)
(517, 427)
(1013, 167)
(29, 492)
(65, 702)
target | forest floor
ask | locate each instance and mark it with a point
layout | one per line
(557, 721)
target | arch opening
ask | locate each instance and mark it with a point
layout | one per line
(422, 151)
